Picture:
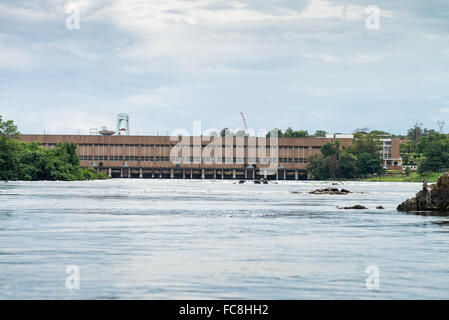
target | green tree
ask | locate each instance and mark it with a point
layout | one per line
(8, 129)
(366, 143)
(415, 133)
(366, 149)
(29, 161)
(8, 149)
(9, 160)
(379, 132)
(347, 165)
(320, 133)
(275, 131)
(408, 147)
(330, 149)
(435, 149)
(289, 133)
(369, 163)
(362, 158)
(301, 134)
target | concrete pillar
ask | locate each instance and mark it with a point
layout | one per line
(172, 173)
(277, 174)
(110, 172)
(265, 174)
(203, 173)
(246, 173)
(191, 173)
(129, 173)
(152, 173)
(121, 172)
(183, 173)
(215, 174)
(285, 174)
(296, 175)
(222, 174)
(140, 173)
(233, 173)
(160, 173)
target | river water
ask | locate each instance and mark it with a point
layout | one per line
(205, 239)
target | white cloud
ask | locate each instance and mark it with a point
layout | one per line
(71, 47)
(431, 36)
(30, 14)
(152, 17)
(322, 9)
(321, 57)
(367, 58)
(16, 59)
(153, 97)
(214, 58)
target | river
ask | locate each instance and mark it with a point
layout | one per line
(214, 239)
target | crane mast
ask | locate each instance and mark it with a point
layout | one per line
(244, 121)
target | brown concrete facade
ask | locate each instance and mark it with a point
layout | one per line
(151, 156)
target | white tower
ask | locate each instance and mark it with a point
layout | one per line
(122, 117)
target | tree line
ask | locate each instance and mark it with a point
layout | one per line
(359, 160)
(29, 161)
(426, 148)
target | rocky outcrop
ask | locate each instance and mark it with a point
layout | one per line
(357, 206)
(330, 191)
(431, 198)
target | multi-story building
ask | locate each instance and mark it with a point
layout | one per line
(391, 152)
(195, 157)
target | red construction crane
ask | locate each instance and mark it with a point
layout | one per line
(244, 121)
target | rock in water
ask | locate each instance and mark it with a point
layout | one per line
(330, 191)
(357, 206)
(433, 198)
(380, 207)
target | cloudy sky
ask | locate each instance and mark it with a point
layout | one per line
(308, 64)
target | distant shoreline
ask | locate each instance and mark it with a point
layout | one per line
(412, 177)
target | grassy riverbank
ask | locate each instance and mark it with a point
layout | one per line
(412, 177)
